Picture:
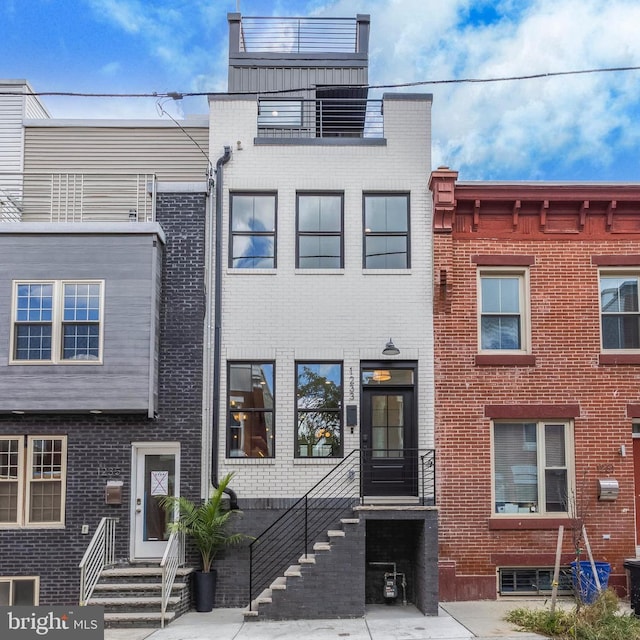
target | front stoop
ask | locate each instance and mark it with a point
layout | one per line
(131, 596)
(306, 582)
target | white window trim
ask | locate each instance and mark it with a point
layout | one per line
(57, 323)
(25, 461)
(570, 466)
(525, 309)
(615, 272)
(36, 587)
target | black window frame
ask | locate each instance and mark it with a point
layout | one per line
(338, 411)
(300, 234)
(230, 420)
(266, 234)
(380, 234)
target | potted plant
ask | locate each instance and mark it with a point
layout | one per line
(207, 525)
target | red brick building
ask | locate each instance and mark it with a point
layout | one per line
(537, 370)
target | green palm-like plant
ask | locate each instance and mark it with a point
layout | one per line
(206, 523)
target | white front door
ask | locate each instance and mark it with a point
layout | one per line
(154, 474)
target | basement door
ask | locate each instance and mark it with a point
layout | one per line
(154, 474)
(388, 431)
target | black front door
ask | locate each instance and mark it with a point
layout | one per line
(389, 453)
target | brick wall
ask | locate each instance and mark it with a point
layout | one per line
(565, 336)
(100, 444)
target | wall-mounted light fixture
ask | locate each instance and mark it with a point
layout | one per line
(390, 349)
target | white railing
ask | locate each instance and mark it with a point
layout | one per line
(172, 559)
(77, 197)
(99, 553)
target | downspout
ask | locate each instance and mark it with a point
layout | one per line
(217, 326)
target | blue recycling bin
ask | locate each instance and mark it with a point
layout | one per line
(587, 590)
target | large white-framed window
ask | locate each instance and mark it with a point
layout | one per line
(57, 321)
(503, 310)
(532, 467)
(19, 591)
(253, 230)
(619, 311)
(33, 475)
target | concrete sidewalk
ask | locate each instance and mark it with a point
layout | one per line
(456, 621)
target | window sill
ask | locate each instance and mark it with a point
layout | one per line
(319, 272)
(505, 360)
(527, 523)
(45, 526)
(619, 358)
(243, 461)
(253, 272)
(386, 272)
(324, 461)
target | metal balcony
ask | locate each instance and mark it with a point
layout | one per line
(320, 118)
(77, 197)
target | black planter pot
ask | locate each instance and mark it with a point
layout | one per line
(204, 588)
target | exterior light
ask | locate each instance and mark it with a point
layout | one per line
(390, 349)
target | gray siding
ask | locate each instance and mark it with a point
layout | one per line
(128, 264)
(164, 151)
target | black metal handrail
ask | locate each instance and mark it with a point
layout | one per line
(340, 490)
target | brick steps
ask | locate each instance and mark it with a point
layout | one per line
(132, 596)
(269, 604)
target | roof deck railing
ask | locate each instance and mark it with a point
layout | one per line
(320, 118)
(298, 35)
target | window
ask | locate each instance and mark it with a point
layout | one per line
(319, 225)
(386, 231)
(280, 113)
(251, 406)
(57, 321)
(531, 479)
(253, 231)
(20, 591)
(319, 409)
(620, 312)
(503, 309)
(32, 484)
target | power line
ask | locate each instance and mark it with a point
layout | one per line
(178, 95)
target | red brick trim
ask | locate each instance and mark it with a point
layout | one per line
(616, 261)
(505, 360)
(503, 260)
(512, 524)
(537, 411)
(633, 410)
(619, 358)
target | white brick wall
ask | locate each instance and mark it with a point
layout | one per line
(288, 314)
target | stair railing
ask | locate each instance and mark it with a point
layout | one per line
(99, 554)
(172, 559)
(291, 535)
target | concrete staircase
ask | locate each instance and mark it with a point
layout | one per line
(131, 596)
(317, 577)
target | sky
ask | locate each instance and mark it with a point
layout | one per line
(583, 127)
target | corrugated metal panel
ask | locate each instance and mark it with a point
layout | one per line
(280, 78)
(168, 153)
